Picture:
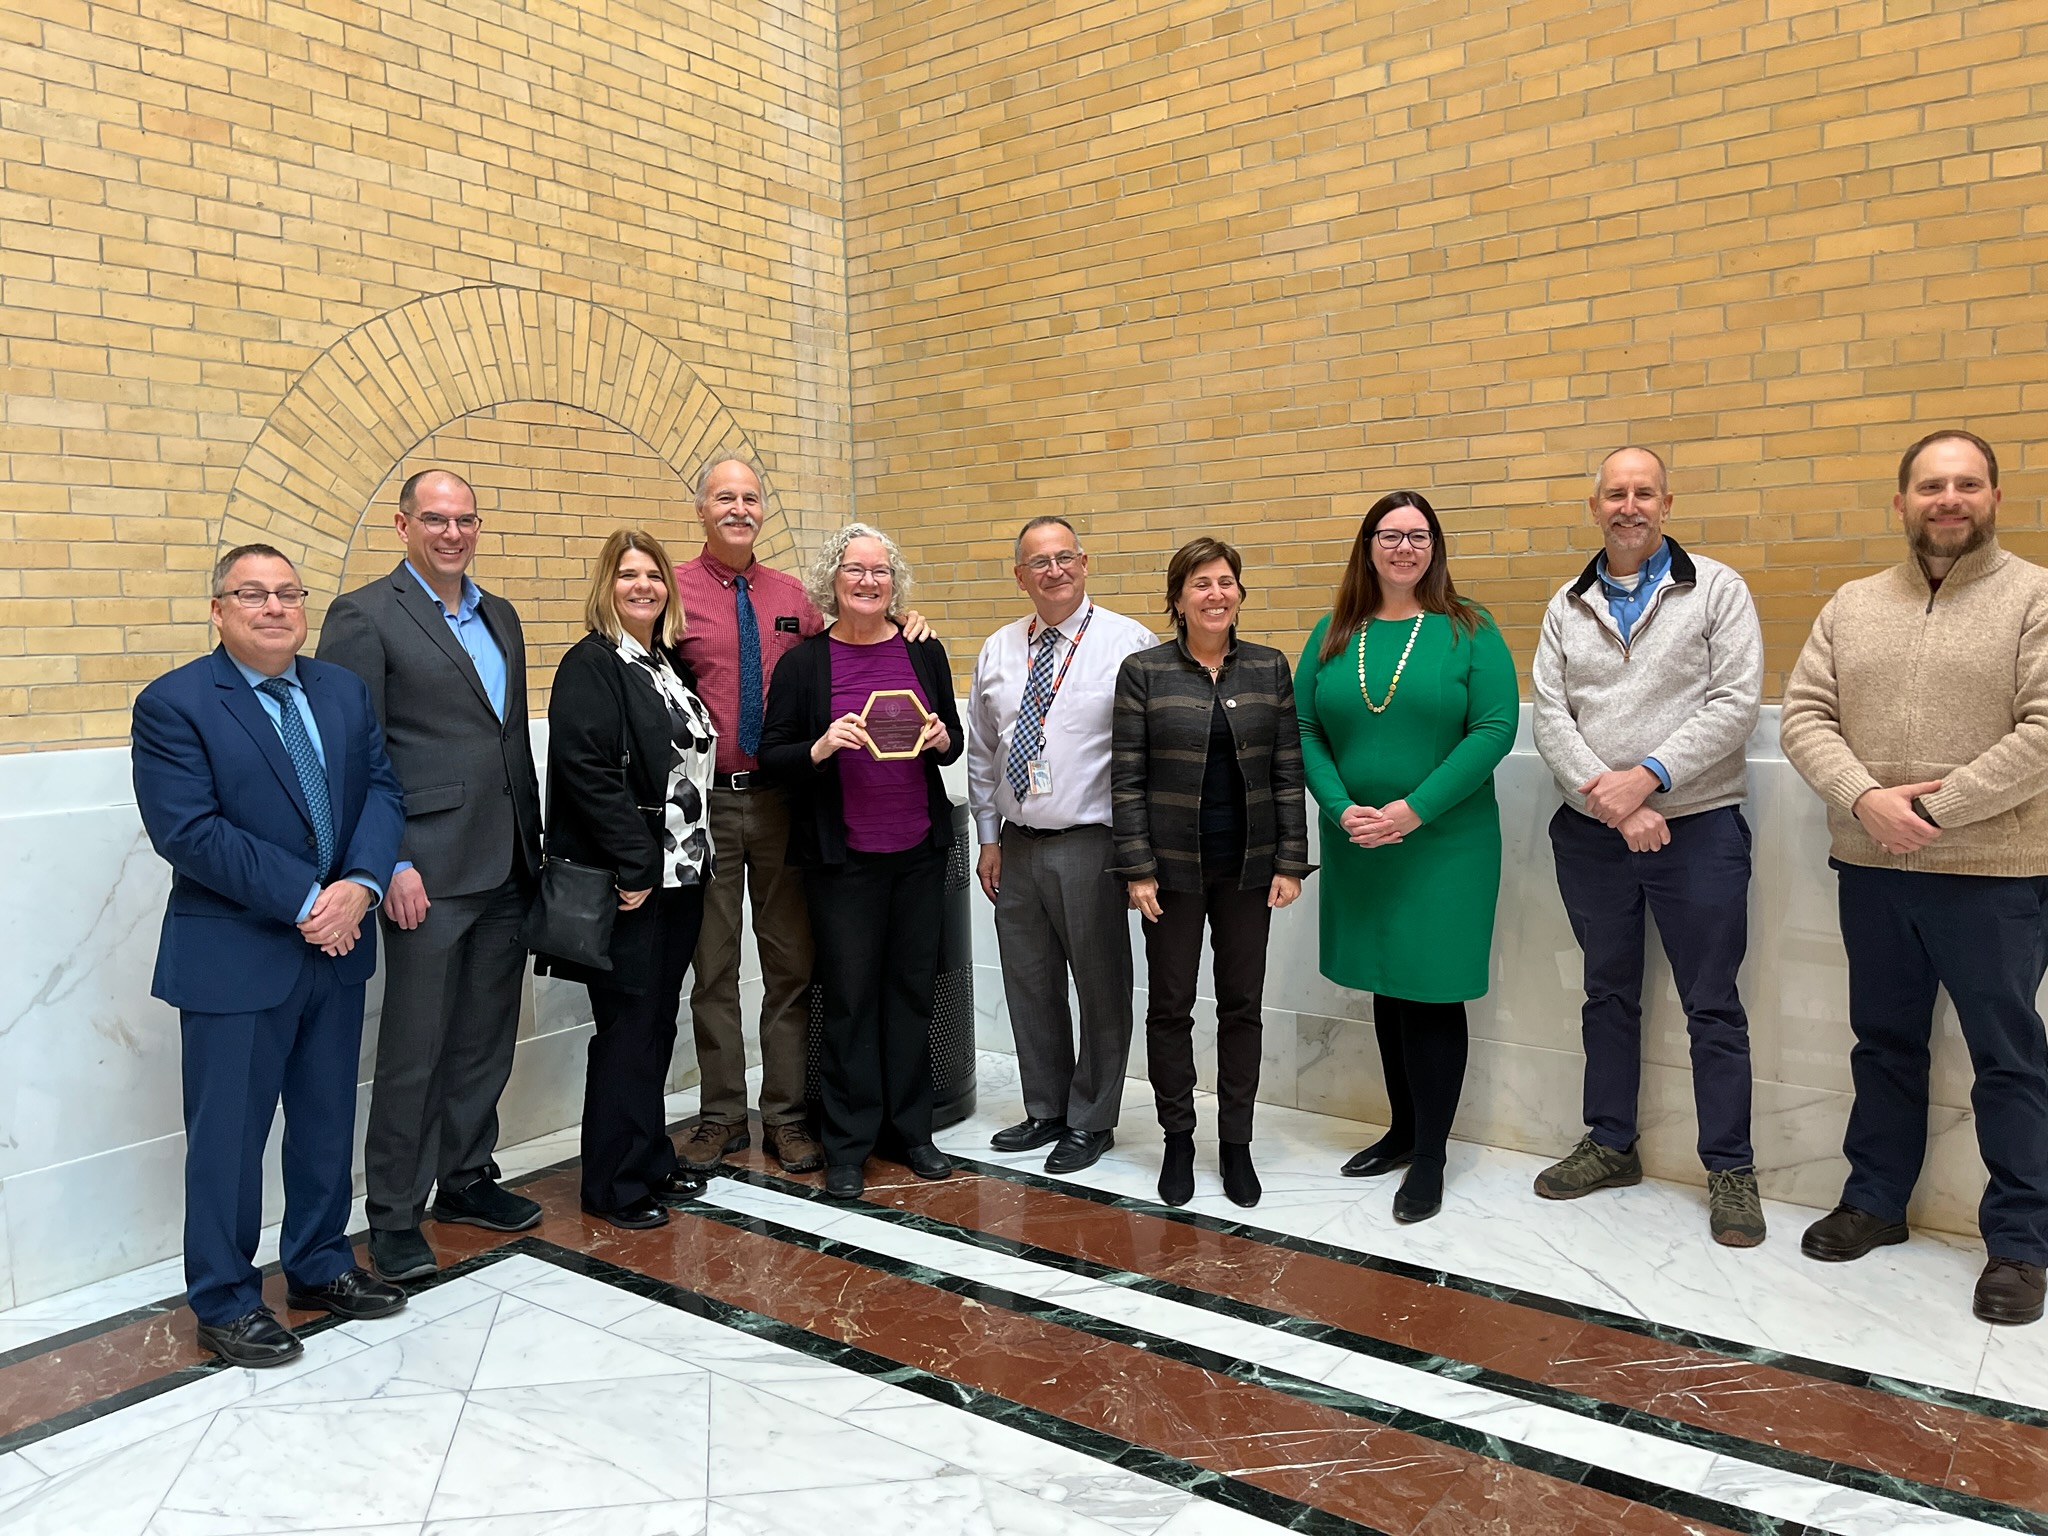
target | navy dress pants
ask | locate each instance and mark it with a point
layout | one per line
(237, 1066)
(1697, 888)
(1984, 938)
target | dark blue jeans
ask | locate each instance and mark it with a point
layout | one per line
(1697, 888)
(1984, 938)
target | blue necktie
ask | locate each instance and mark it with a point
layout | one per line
(298, 746)
(1029, 736)
(750, 669)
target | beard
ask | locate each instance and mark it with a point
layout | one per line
(1951, 546)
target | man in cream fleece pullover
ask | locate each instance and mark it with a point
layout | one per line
(1647, 681)
(1919, 712)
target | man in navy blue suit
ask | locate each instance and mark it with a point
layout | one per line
(262, 779)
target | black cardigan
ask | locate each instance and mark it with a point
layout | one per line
(608, 756)
(800, 711)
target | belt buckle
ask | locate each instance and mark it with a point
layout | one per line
(744, 779)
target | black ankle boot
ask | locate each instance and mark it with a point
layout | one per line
(1177, 1168)
(1240, 1178)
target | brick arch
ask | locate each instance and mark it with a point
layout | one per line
(315, 468)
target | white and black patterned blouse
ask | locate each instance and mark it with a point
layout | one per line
(686, 830)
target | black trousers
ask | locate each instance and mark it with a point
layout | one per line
(1238, 923)
(625, 1124)
(1984, 938)
(875, 924)
(1422, 1050)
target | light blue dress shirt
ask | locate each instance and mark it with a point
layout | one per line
(271, 708)
(474, 636)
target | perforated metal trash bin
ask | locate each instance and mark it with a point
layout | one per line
(952, 1028)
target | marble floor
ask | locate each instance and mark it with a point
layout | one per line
(1004, 1352)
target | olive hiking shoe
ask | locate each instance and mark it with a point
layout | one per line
(1735, 1211)
(1587, 1167)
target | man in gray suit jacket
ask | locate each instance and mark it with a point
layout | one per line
(446, 666)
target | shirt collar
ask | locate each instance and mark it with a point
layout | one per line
(1651, 570)
(257, 679)
(1035, 631)
(724, 574)
(472, 595)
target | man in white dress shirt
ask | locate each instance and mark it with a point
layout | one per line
(1038, 784)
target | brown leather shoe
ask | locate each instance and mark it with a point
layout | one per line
(2010, 1291)
(707, 1141)
(794, 1147)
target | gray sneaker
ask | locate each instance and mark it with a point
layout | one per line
(1587, 1167)
(1735, 1212)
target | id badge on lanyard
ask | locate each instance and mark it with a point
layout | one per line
(1038, 771)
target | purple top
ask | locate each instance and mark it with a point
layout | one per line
(886, 805)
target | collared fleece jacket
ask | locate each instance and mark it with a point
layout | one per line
(1684, 687)
(1901, 683)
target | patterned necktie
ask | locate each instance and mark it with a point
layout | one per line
(750, 669)
(1029, 736)
(298, 746)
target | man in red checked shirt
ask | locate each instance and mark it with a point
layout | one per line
(743, 617)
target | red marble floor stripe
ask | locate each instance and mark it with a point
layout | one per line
(1928, 1443)
(1385, 1478)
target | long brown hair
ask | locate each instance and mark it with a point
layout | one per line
(1358, 594)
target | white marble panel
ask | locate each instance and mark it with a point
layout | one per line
(6, 1270)
(534, 1346)
(437, 1357)
(101, 1499)
(682, 1518)
(766, 1443)
(75, 1222)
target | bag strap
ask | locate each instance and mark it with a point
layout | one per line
(611, 680)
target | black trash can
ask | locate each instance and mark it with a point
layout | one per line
(952, 1028)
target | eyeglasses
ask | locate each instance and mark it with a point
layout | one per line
(256, 597)
(1065, 560)
(867, 572)
(1394, 538)
(434, 522)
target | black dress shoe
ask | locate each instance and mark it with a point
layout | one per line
(843, 1181)
(1848, 1232)
(1372, 1163)
(256, 1340)
(487, 1204)
(637, 1217)
(684, 1184)
(1028, 1134)
(927, 1161)
(1078, 1150)
(1421, 1194)
(400, 1253)
(355, 1294)
(2010, 1291)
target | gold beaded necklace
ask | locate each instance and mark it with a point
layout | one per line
(1399, 666)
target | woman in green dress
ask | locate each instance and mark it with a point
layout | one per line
(1408, 701)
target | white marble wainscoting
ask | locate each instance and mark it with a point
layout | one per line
(525, 1399)
(1523, 1084)
(91, 1138)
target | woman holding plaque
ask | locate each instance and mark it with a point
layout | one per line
(1211, 830)
(1408, 702)
(629, 779)
(859, 721)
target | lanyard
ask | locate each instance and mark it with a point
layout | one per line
(1073, 645)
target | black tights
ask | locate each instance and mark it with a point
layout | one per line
(1422, 1051)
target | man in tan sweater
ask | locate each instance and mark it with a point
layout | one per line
(1919, 712)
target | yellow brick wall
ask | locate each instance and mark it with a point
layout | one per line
(1169, 265)
(210, 213)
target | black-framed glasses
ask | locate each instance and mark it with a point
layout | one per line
(1394, 538)
(256, 597)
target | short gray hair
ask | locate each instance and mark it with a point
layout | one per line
(821, 580)
(1663, 469)
(224, 567)
(717, 460)
(1043, 520)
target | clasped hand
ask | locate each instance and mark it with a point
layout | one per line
(336, 921)
(1888, 816)
(1370, 828)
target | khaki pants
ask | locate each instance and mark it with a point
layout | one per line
(750, 831)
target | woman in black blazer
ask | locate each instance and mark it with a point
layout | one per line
(629, 775)
(872, 836)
